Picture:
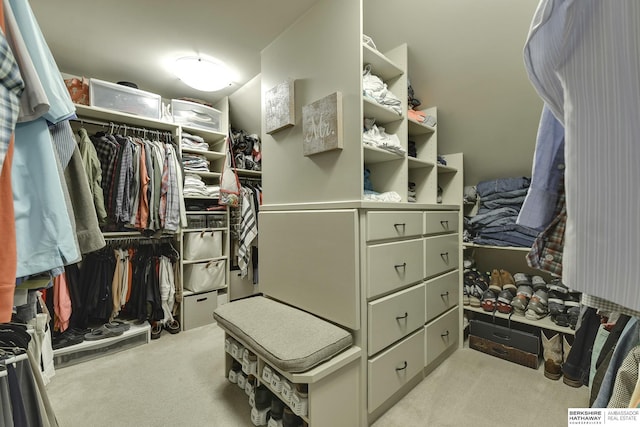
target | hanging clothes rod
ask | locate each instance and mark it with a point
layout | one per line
(117, 126)
(136, 237)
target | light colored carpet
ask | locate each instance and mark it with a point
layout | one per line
(178, 380)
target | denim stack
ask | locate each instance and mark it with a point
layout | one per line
(495, 221)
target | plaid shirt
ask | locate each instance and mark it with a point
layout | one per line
(546, 251)
(12, 87)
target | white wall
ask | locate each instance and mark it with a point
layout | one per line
(465, 56)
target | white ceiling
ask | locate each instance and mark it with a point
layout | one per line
(133, 40)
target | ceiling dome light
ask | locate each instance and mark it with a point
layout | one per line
(202, 74)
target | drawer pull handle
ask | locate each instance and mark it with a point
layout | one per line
(201, 299)
(445, 224)
(403, 266)
(404, 366)
(400, 224)
(445, 295)
(502, 336)
(445, 257)
(446, 334)
(402, 317)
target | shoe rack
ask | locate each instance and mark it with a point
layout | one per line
(311, 398)
(513, 259)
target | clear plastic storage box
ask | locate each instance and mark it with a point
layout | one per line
(197, 115)
(125, 99)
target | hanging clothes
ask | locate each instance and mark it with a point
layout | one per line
(11, 88)
(577, 58)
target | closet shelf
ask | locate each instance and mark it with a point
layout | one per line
(201, 197)
(505, 248)
(132, 234)
(218, 212)
(211, 155)
(206, 134)
(116, 117)
(379, 112)
(200, 261)
(544, 323)
(200, 230)
(378, 155)
(204, 174)
(417, 163)
(417, 128)
(247, 172)
(187, 292)
(446, 169)
(381, 66)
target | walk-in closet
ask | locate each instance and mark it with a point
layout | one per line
(319, 213)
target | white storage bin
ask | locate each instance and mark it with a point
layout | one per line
(196, 115)
(198, 309)
(205, 276)
(125, 99)
(202, 245)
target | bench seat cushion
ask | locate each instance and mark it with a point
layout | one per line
(286, 337)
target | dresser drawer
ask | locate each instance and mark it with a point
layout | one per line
(442, 294)
(395, 316)
(436, 222)
(394, 265)
(393, 368)
(393, 225)
(441, 334)
(441, 254)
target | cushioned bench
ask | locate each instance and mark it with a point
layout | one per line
(288, 338)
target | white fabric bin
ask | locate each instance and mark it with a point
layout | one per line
(202, 245)
(205, 276)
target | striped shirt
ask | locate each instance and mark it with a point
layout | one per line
(582, 58)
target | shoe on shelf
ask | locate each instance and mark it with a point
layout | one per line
(465, 295)
(557, 286)
(495, 282)
(537, 307)
(556, 302)
(503, 302)
(476, 284)
(507, 280)
(489, 300)
(538, 283)
(522, 279)
(572, 304)
(521, 300)
(560, 319)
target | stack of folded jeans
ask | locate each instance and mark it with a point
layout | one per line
(500, 204)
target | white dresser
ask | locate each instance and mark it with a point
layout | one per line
(390, 274)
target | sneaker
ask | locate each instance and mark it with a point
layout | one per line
(556, 303)
(521, 300)
(503, 302)
(572, 304)
(489, 300)
(522, 279)
(538, 283)
(558, 287)
(537, 307)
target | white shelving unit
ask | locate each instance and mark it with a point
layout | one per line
(315, 209)
(513, 260)
(197, 308)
